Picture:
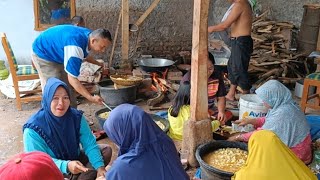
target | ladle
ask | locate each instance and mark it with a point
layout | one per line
(106, 105)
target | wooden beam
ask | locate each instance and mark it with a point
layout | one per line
(199, 95)
(36, 14)
(147, 12)
(318, 42)
(125, 30)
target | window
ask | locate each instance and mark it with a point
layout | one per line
(48, 13)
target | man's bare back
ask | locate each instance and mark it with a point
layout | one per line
(239, 20)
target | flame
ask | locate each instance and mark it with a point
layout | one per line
(154, 88)
(156, 80)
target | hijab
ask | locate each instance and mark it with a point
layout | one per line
(269, 158)
(284, 118)
(62, 134)
(145, 151)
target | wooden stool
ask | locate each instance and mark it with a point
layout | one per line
(311, 80)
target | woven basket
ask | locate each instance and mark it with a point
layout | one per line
(126, 80)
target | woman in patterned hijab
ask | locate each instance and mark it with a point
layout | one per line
(284, 118)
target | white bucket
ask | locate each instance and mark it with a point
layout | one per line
(251, 106)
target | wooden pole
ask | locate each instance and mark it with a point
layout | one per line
(197, 130)
(125, 31)
(318, 42)
(199, 97)
(115, 40)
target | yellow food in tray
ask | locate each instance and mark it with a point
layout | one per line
(160, 125)
(227, 159)
(228, 129)
(104, 115)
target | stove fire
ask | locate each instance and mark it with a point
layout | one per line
(158, 87)
(158, 84)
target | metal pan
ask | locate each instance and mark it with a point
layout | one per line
(154, 64)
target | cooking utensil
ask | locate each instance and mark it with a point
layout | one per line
(154, 64)
(106, 105)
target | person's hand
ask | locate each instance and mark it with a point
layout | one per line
(101, 178)
(76, 167)
(240, 122)
(101, 173)
(107, 167)
(222, 117)
(245, 121)
(105, 69)
(236, 137)
(97, 99)
(210, 29)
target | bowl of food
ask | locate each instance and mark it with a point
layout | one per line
(161, 122)
(102, 115)
(126, 80)
(221, 159)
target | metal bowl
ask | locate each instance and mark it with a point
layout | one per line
(154, 64)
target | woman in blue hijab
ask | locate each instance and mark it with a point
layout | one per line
(59, 130)
(145, 151)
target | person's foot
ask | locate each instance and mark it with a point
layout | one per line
(230, 97)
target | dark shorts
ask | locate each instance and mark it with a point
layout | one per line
(241, 49)
(106, 153)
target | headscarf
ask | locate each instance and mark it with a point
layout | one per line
(145, 151)
(62, 134)
(30, 166)
(284, 118)
(269, 159)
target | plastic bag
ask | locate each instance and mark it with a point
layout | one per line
(218, 48)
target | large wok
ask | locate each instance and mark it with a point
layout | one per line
(154, 64)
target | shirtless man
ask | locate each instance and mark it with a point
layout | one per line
(239, 19)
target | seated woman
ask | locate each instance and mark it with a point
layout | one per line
(59, 130)
(284, 118)
(179, 112)
(145, 151)
(269, 158)
(216, 90)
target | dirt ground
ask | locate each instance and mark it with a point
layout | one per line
(12, 120)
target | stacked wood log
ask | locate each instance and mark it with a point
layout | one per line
(271, 57)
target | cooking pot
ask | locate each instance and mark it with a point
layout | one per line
(154, 64)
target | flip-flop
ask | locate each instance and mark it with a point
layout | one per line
(234, 104)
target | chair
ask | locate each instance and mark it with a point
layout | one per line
(311, 80)
(20, 74)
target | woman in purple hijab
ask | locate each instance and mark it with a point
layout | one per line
(145, 151)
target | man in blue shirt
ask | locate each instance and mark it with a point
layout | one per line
(60, 50)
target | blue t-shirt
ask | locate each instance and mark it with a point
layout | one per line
(63, 44)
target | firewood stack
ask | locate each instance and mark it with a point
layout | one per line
(271, 57)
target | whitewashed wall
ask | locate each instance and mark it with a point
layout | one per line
(17, 21)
